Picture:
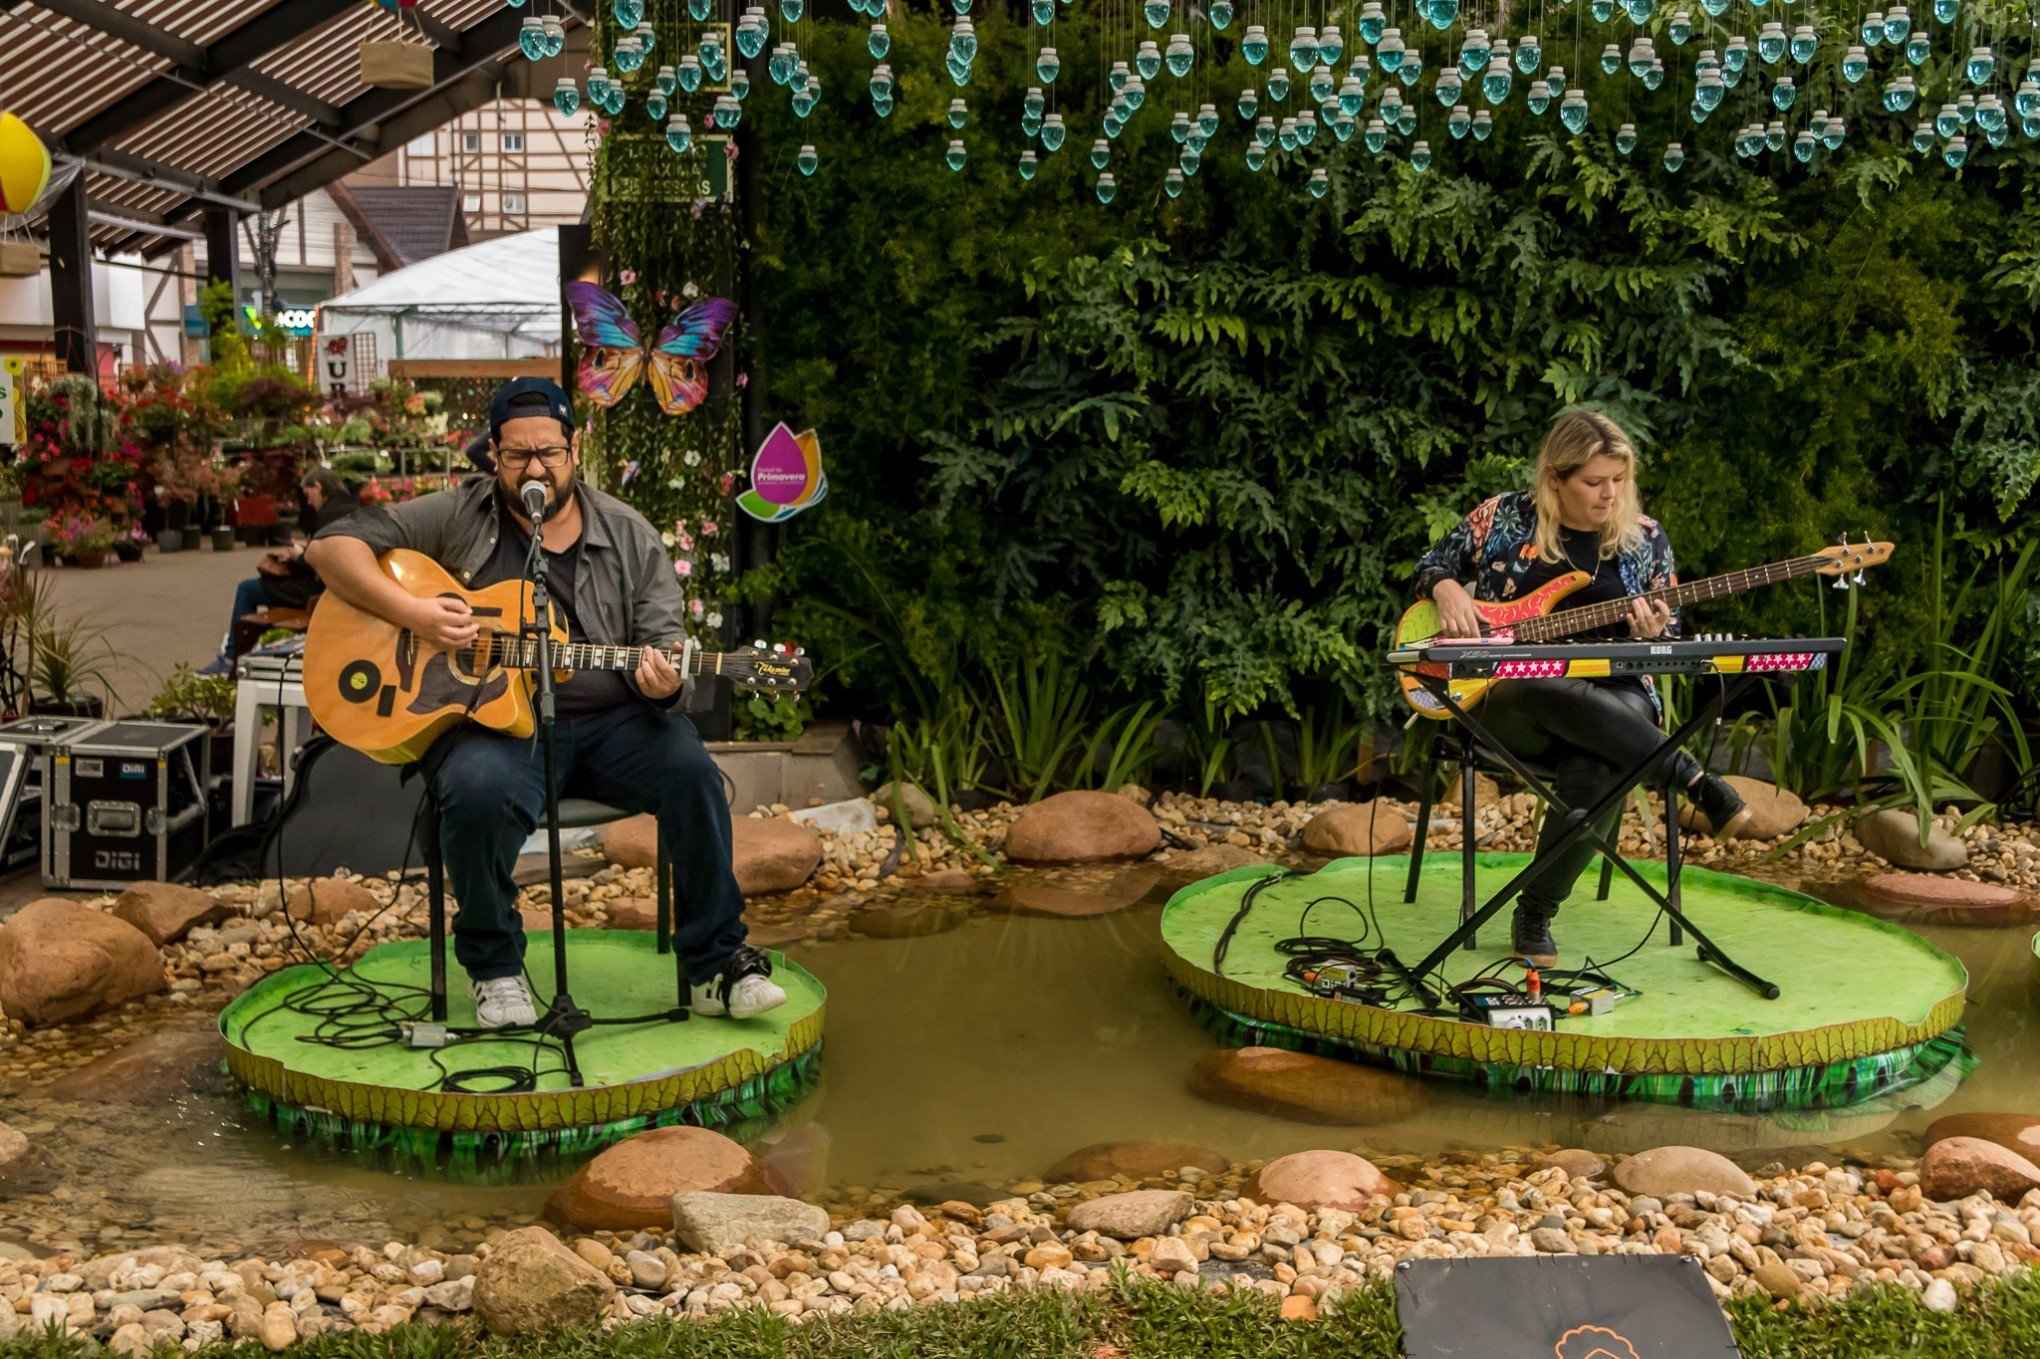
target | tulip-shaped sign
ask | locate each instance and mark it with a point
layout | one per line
(786, 476)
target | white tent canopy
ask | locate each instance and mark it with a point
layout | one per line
(499, 299)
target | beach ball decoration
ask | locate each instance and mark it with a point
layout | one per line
(24, 166)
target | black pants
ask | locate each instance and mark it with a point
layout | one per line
(492, 795)
(1590, 733)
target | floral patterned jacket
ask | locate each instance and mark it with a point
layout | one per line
(1492, 550)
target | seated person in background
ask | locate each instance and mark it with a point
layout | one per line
(283, 580)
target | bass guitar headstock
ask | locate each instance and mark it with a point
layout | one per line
(1846, 558)
(778, 668)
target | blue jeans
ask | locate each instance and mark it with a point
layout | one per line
(491, 794)
(248, 597)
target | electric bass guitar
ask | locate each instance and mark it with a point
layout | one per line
(1536, 618)
(390, 694)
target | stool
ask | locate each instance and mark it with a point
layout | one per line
(576, 813)
(249, 627)
(1472, 760)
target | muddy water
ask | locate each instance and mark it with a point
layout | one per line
(955, 1061)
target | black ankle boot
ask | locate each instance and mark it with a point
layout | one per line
(1716, 799)
(1530, 936)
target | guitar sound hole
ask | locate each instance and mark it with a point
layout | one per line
(360, 681)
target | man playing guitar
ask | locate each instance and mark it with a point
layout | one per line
(617, 738)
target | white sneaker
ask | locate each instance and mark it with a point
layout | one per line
(742, 989)
(501, 1002)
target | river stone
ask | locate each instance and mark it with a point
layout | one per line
(147, 1071)
(920, 808)
(2014, 1132)
(1082, 826)
(1144, 1212)
(60, 961)
(1209, 861)
(630, 1186)
(1926, 892)
(166, 911)
(329, 900)
(1320, 1179)
(532, 1284)
(774, 854)
(1135, 1160)
(950, 881)
(1663, 1171)
(1774, 811)
(1347, 828)
(14, 1148)
(632, 913)
(1577, 1163)
(1956, 1167)
(632, 842)
(897, 920)
(852, 816)
(1894, 834)
(715, 1224)
(1079, 903)
(1776, 1278)
(1307, 1088)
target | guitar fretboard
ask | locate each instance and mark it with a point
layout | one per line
(521, 653)
(1565, 622)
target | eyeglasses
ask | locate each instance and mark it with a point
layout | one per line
(556, 456)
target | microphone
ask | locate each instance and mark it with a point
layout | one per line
(533, 493)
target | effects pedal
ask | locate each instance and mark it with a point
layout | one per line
(1506, 1012)
(1344, 981)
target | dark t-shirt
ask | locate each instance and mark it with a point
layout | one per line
(585, 690)
(1580, 550)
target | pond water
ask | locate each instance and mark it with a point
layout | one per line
(972, 1058)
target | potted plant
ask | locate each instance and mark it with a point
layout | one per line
(188, 696)
(83, 540)
(68, 668)
(128, 544)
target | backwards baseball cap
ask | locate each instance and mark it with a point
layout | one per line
(523, 397)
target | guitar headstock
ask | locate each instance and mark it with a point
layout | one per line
(1846, 556)
(778, 668)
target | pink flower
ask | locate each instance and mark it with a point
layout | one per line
(730, 150)
(696, 608)
(682, 567)
(708, 529)
(602, 126)
(627, 277)
(743, 380)
(726, 482)
(684, 541)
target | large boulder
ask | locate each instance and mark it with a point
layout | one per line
(630, 1186)
(891, 799)
(773, 855)
(1320, 1179)
(1774, 811)
(1307, 1088)
(632, 842)
(1894, 834)
(715, 1223)
(1082, 827)
(1663, 1171)
(532, 1284)
(2014, 1132)
(60, 961)
(328, 901)
(1128, 1217)
(1956, 1167)
(166, 911)
(1135, 1160)
(1348, 828)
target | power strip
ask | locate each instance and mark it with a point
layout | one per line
(1506, 1012)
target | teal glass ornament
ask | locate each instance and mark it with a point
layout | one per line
(878, 42)
(1254, 46)
(1474, 52)
(1496, 84)
(1955, 152)
(1947, 122)
(1053, 132)
(740, 83)
(1625, 139)
(598, 85)
(1257, 156)
(1680, 30)
(1207, 120)
(1420, 157)
(806, 160)
(1180, 55)
(1118, 76)
(1715, 8)
(1784, 93)
(715, 63)
(1803, 147)
(1179, 127)
(1114, 123)
(555, 35)
(1834, 134)
(882, 105)
(1990, 114)
(655, 106)
(1871, 31)
(1997, 136)
(1459, 122)
(1639, 11)
(1897, 25)
(881, 84)
(1156, 12)
(1749, 141)
(647, 38)
(1287, 136)
(1654, 75)
(699, 10)
(1319, 184)
(1390, 51)
(1264, 132)
(1250, 102)
(1351, 94)
(1641, 55)
(1030, 124)
(798, 81)
(1529, 54)
(1344, 126)
(1373, 23)
(963, 41)
(1918, 48)
(955, 156)
(1303, 53)
(2026, 100)
(1946, 10)
(1965, 107)
(1221, 14)
(1674, 158)
(1899, 93)
(1572, 111)
(1774, 135)
(1406, 120)
(728, 112)
(1375, 137)
(1188, 161)
(1449, 87)
(1771, 44)
(1483, 125)
(804, 101)
(1601, 10)
(778, 66)
(531, 38)
(1047, 66)
(1278, 84)
(613, 99)
(2030, 127)
(666, 81)
(1361, 70)
(1731, 78)
(1306, 128)
(1736, 56)
(628, 56)
(1611, 59)
(1805, 42)
(566, 98)
(1032, 104)
(629, 13)
(679, 136)
(1982, 64)
(1135, 94)
(1412, 68)
(1391, 106)
(959, 113)
(1101, 152)
(1172, 184)
(960, 6)
(1147, 59)
(1331, 45)
(1540, 96)
(1923, 138)
(1705, 64)
(1855, 65)
(1028, 165)
(1043, 12)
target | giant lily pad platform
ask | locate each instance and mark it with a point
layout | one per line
(1867, 1006)
(392, 1099)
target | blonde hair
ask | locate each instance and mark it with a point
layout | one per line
(1577, 437)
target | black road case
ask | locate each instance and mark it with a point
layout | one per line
(125, 802)
(24, 748)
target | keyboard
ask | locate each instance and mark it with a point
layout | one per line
(1466, 659)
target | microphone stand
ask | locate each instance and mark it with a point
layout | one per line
(562, 1018)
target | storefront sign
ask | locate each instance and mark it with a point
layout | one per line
(336, 365)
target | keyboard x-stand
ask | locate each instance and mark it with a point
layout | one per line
(1743, 661)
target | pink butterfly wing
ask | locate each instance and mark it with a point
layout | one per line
(612, 351)
(678, 378)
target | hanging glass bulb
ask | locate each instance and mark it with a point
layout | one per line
(628, 55)
(1053, 132)
(740, 83)
(613, 99)
(1715, 8)
(1990, 113)
(1774, 135)
(1611, 59)
(959, 113)
(1680, 30)
(882, 105)
(1303, 48)
(1945, 10)
(1257, 155)
(1321, 84)
(1871, 31)
(1135, 94)
(1033, 102)
(1918, 48)
(1207, 120)
(1805, 42)
(1601, 10)
(1375, 136)
(1625, 139)
(1264, 131)
(1249, 102)
(698, 10)
(1771, 44)
(728, 112)
(1749, 141)
(1156, 12)
(1474, 52)
(960, 6)
(1641, 55)
(1654, 75)
(1391, 106)
(1923, 138)
(1982, 64)
(1495, 85)
(598, 84)
(878, 42)
(1373, 23)
(1947, 122)
(1803, 147)
(555, 35)
(798, 81)
(1735, 57)
(679, 136)
(715, 63)
(1640, 11)
(954, 156)
(881, 84)
(1362, 69)
(666, 81)
(1172, 183)
(804, 101)
(1784, 92)
(2030, 127)
(1306, 128)
(1114, 121)
(1179, 126)
(1898, 94)
(1351, 94)
(1412, 68)
(2026, 100)
(655, 107)
(1331, 45)
(1047, 66)
(1221, 14)
(1540, 96)
(1043, 12)
(1278, 84)
(629, 13)
(1997, 136)
(566, 98)
(1955, 152)
(1028, 165)
(1675, 158)
(1319, 184)
(1529, 54)
(1834, 134)
(1897, 25)
(1189, 160)
(1572, 111)
(1406, 120)
(1449, 87)
(1459, 122)
(1287, 136)
(1101, 152)
(779, 66)
(1180, 55)
(1390, 51)
(1117, 76)
(963, 41)
(1147, 59)
(1483, 125)
(1254, 46)
(1420, 157)
(531, 38)
(647, 38)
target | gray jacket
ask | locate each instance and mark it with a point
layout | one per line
(625, 592)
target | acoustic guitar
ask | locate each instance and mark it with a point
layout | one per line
(1532, 618)
(389, 694)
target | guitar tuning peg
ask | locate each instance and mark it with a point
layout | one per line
(1858, 578)
(758, 644)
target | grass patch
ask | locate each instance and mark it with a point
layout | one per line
(1145, 1320)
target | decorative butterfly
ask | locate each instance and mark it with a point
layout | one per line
(614, 355)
